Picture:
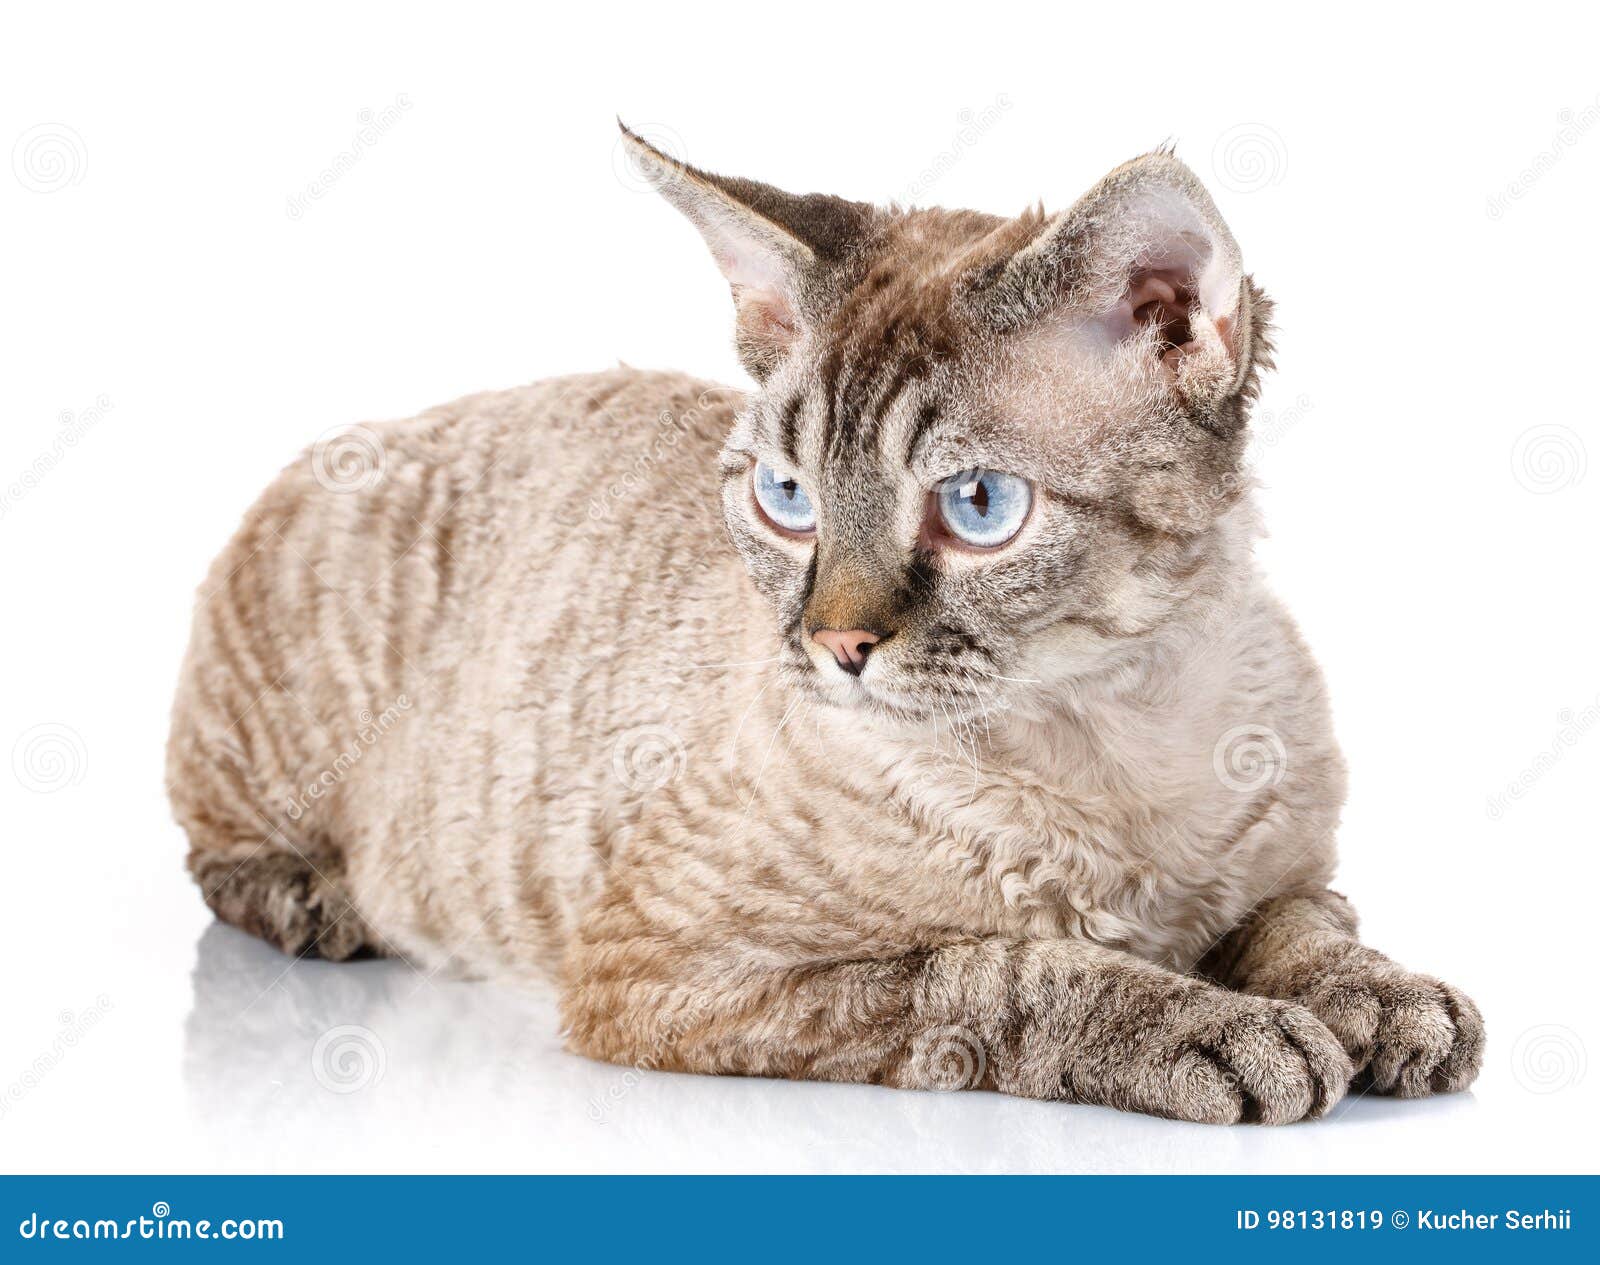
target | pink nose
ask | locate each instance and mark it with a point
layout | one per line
(850, 647)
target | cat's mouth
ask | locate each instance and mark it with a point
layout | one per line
(825, 681)
(874, 693)
(887, 688)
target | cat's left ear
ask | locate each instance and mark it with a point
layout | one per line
(778, 250)
(1143, 259)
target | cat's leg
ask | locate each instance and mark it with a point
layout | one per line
(254, 875)
(258, 868)
(290, 898)
(1407, 1034)
(1052, 1019)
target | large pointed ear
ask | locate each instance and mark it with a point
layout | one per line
(779, 251)
(1144, 264)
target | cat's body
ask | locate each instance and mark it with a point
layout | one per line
(513, 704)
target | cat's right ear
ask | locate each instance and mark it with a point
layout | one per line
(776, 249)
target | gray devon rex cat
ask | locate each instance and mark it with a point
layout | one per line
(918, 719)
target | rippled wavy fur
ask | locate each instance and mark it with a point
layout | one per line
(527, 685)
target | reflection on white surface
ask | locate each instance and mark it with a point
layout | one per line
(372, 1066)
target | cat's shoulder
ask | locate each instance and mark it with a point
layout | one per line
(623, 394)
(595, 419)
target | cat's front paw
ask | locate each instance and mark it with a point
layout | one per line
(1407, 1034)
(1272, 1064)
(1227, 1058)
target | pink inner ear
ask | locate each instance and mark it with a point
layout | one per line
(1162, 298)
(1165, 298)
(760, 290)
(764, 314)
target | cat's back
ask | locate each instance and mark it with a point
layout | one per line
(380, 539)
(408, 600)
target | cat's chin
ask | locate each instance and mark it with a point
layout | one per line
(849, 694)
(871, 697)
(876, 700)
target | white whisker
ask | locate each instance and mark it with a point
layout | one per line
(733, 745)
(1015, 680)
(766, 758)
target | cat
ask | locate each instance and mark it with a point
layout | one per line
(918, 718)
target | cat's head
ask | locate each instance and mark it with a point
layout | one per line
(988, 457)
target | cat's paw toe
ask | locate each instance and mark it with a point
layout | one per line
(1460, 1067)
(1408, 1035)
(1269, 1063)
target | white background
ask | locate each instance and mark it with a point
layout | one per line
(1424, 449)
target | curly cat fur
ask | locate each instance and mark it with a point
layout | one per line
(623, 766)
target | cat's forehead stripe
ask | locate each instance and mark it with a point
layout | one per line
(861, 397)
(788, 427)
(926, 416)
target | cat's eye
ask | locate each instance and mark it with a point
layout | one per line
(783, 501)
(983, 508)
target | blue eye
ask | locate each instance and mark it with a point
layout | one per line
(983, 508)
(784, 501)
